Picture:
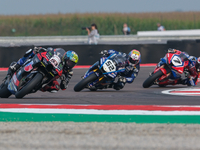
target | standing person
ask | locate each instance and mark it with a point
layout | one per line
(68, 61)
(126, 29)
(93, 35)
(160, 28)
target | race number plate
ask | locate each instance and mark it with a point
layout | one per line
(109, 66)
(177, 61)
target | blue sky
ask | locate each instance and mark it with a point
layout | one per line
(26, 7)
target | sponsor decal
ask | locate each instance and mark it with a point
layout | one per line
(15, 80)
(28, 67)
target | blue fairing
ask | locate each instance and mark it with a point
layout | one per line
(164, 60)
(175, 75)
(119, 62)
(12, 87)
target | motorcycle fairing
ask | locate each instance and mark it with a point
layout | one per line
(14, 82)
(28, 67)
(46, 56)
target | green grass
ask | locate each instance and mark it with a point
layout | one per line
(108, 23)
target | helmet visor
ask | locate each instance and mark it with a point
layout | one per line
(70, 64)
(132, 61)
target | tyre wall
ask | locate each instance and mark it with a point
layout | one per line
(88, 54)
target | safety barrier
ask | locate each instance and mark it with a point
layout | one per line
(88, 54)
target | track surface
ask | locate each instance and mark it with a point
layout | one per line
(132, 94)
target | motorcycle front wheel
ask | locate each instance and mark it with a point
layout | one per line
(150, 80)
(29, 86)
(82, 84)
(4, 92)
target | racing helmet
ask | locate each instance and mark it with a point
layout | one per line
(171, 50)
(198, 60)
(70, 59)
(192, 58)
(134, 57)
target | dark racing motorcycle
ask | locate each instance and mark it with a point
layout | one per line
(34, 74)
(103, 74)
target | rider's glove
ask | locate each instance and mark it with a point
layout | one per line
(38, 49)
(130, 68)
(14, 67)
(63, 85)
(171, 50)
(192, 82)
(122, 79)
(104, 52)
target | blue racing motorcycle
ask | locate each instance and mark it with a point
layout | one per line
(103, 73)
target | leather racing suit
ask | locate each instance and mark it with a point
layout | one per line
(127, 76)
(53, 86)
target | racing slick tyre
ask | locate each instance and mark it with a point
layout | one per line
(162, 85)
(150, 80)
(29, 86)
(4, 92)
(82, 84)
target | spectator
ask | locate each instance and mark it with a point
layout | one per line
(126, 29)
(93, 35)
(160, 28)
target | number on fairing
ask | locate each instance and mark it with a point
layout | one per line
(177, 61)
(109, 66)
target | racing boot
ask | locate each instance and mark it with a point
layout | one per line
(52, 87)
(120, 83)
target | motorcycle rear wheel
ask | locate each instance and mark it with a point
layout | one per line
(81, 85)
(4, 92)
(29, 86)
(150, 80)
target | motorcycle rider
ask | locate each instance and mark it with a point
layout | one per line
(191, 72)
(132, 67)
(69, 60)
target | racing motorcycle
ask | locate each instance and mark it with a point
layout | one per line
(169, 71)
(105, 72)
(34, 74)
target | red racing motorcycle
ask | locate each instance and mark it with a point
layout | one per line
(169, 71)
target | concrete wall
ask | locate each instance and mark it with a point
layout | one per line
(88, 54)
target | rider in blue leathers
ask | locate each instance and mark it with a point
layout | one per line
(131, 69)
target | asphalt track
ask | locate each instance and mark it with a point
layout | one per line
(132, 94)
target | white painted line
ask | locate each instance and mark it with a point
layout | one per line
(194, 91)
(100, 112)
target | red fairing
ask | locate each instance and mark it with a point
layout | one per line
(39, 56)
(168, 82)
(156, 69)
(162, 69)
(15, 80)
(181, 68)
(43, 54)
(169, 56)
(59, 72)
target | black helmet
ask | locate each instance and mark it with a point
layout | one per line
(70, 59)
